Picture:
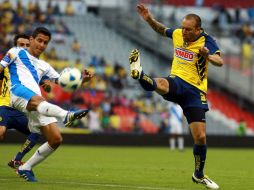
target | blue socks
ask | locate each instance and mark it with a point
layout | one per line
(147, 82)
(199, 152)
(27, 146)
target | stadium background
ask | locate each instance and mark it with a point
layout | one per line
(99, 35)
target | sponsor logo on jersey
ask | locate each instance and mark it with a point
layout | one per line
(183, 54)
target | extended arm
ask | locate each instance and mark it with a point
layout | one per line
(147, 16)
(216, 60)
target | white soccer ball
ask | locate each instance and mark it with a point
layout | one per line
(70, 79)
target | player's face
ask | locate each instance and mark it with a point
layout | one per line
(190, 30)
(38, 44)
(23, 42)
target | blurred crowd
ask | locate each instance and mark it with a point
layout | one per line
(17, 18)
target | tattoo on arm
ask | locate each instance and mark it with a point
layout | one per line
(157, 27)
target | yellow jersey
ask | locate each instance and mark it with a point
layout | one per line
(5, 90)
(188, 64)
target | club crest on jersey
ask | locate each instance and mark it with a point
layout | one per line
(183, 54)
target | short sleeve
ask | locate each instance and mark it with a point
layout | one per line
(211, 44)
(50, 72)
(169, 32)
(9, 57)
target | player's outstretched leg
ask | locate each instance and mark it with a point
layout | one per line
(146, 82)
(73, 115)
(208, 183)
(135, 66)
(67, 117)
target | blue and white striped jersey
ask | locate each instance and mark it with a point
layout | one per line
(26, 69)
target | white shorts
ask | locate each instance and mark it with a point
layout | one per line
(20, 95)
(37, 120)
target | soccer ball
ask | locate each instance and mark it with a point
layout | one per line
(70, 79)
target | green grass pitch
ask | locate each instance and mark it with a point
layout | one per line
(130, 168)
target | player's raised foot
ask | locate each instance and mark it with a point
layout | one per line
(208, 183)
(73, 115)
(135, 66)
(28, 175)
(15, 164)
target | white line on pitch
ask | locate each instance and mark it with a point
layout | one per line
(105, 185)
(116, 186)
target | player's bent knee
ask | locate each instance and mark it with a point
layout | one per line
(55, 142)
(162, 86)
(58, 140)
(200, 139)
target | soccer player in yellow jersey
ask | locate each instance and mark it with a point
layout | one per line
(187, 83)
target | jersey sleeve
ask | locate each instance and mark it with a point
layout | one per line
(50, 73)
(9, 57)
(211, 44)
(169, 32)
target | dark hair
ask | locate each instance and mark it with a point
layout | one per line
(17, 36)
(196, 18)
(41, 30)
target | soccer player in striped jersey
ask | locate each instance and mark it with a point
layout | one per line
(26, 70)
(187, 83)
(11, 118)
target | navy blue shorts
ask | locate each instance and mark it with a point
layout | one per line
(13, 119)
(191, 99)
